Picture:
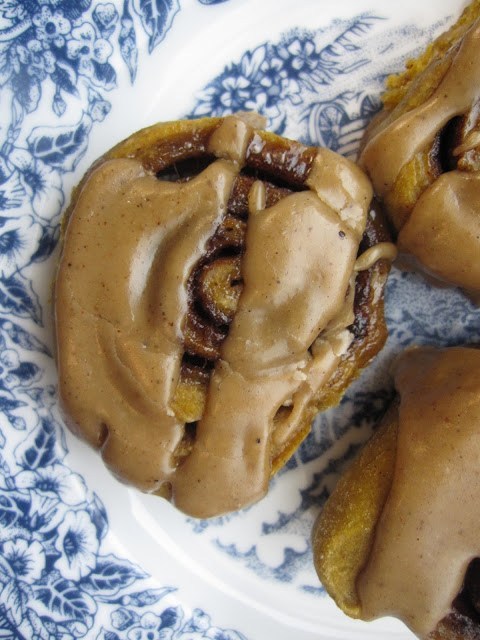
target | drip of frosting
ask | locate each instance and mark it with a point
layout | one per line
(121, 300)
(443, 231)
(445, 222)
(428, 530)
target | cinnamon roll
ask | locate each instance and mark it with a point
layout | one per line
(399, 534)
(217, 286)
(422, 153)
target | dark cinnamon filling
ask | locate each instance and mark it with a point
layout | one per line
(468, 601)
(215, 283)
(464, 620)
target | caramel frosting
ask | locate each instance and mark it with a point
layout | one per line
(428, 530)
(121, 300)
(443, 229)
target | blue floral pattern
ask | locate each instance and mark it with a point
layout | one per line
(284, 80)
(60, 52)
(59, 578)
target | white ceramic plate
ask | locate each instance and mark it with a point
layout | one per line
(81, 555)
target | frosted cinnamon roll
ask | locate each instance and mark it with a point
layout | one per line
(218, 285)
(422, 153)
(399, 534)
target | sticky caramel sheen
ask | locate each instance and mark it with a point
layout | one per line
(121, 300)
(445, 221)
(428, 531)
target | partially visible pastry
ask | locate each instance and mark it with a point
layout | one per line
(422, 153)
(399, 534)
(218, 285)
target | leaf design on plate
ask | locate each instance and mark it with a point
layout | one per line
(14, 595)
(65, 598)
(10, 404)
(8, 630)
(39, 450)
(43, 629)
(65, 78)
(98, 516)
(9, 514)
(27, 91)
(18, 298)
(110, 575)
(105, 74)
(47, 243)
(58, 104)
(172, 618)
(157, 17)
(128, 41)
(145, 598)
(60, 147)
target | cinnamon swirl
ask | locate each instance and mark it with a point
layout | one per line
(217, 286)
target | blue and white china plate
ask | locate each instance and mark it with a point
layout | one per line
(82, 556)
